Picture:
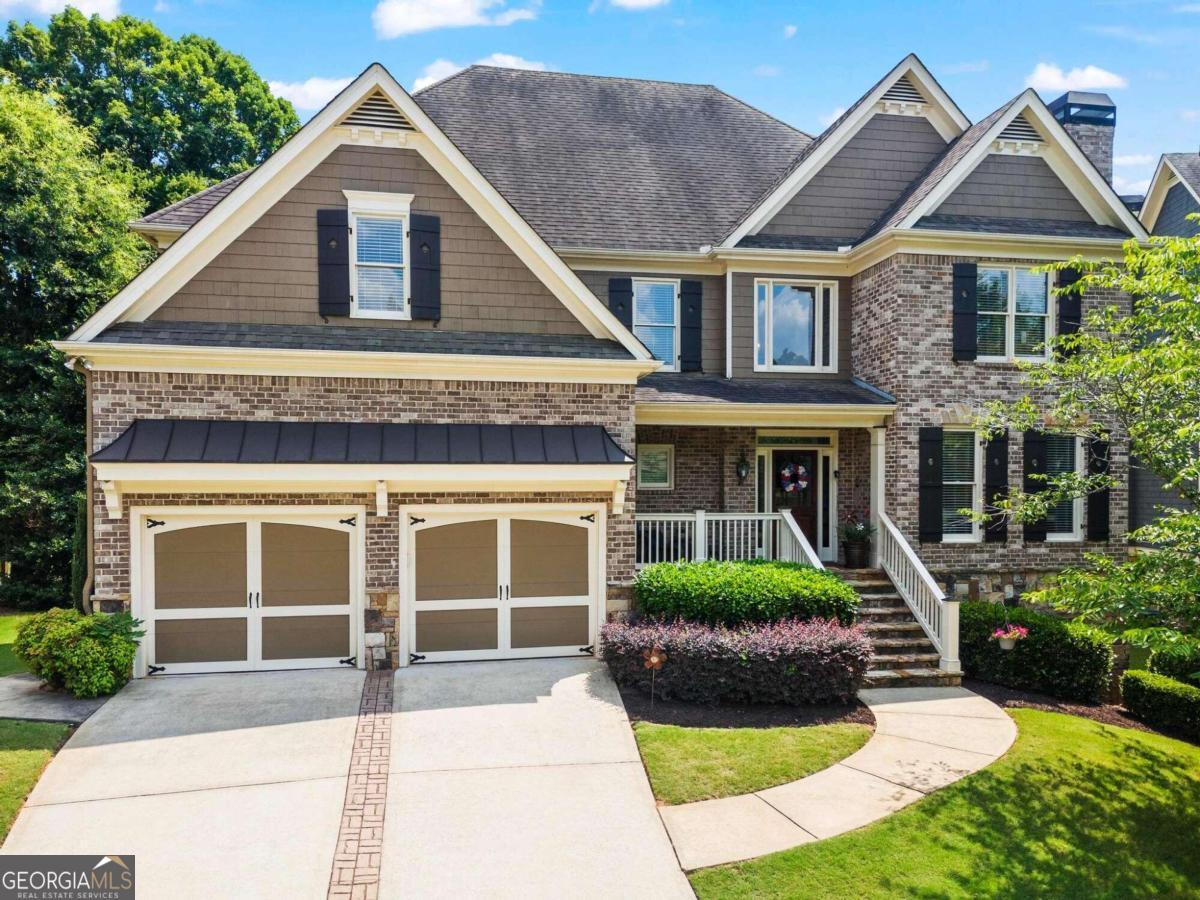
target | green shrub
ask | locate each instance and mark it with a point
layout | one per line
(734, 593)
(1060, 658)
(1163, 702)
(87, 655)
(1183, 667)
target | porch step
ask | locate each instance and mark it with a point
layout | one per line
(915, 642)
(881, 601)
(905, 660)
(922, 677)
(874, 614)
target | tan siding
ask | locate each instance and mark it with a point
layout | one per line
(743, 326)
(1014, 187)
(269, 274)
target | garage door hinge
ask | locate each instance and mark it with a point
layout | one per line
(590, 517)
(415, 520)
(154, 670)
(352, 520)
(415, 657)
(154, 523)
(348, 661)
(590, 648)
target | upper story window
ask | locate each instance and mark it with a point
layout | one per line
(379, 261)
(1014, 313)
(795, 326)
(656, 318)
(962, 484)
(1064, 521)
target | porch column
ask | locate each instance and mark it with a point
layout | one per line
(877, 489)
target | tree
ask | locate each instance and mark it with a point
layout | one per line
(64, 249)
(184, 112)
(1131, 372)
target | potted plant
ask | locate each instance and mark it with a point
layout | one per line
(855, 533)
(1009, 635)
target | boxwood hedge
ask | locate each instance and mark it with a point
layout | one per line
(733, 593)
(1183, 667)
(1163, 702)
(1060, 658)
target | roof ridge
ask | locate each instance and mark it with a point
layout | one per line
(561, 74)
(763, 113)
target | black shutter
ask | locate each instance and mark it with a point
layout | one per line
(1070, 306)
(966, 311)
(1035, 464)
(1097, 502)
(620, 300)
(691, 304)
(929, 519)
(425, 250)
(995, 484)
(333, 262)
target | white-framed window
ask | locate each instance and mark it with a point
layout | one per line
(962, 484)
(379, 265)
(795, 325)
(1064, 455)
(1013, 306)
(656, 318)
(655, 467)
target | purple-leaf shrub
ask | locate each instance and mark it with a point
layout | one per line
(791, 662)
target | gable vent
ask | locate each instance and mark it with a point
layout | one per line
(904, 91)
(377, 112)
(1020, 129)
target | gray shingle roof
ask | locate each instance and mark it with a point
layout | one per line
(223, 441)
(1188, 167)
(677, 388)
(190, 210)
(345, 337)
(790, 242)
(996, 225)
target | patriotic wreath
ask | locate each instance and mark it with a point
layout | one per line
(793, 477)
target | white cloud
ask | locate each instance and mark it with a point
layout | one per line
(979, 65)
(440, 69)
(1130, 185)
(831, 117)
(1186, 8)
(789, 31)
(312, 93)
(1125, 33)
(763, 70)
(393, 18)
(161, 6)
(105, 9)
(637, 4)
(1190, 115)
(1048, 77)
(1134, 159)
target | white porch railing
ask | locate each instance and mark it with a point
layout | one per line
(672, 537)
(937, 613)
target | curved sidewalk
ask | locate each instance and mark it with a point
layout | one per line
(925, 739)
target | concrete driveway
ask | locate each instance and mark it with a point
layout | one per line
(221, 785)
(519, 779)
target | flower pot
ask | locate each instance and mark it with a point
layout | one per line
(856, 553)
(1007, 643)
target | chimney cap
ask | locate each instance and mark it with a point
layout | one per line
(1084, 107)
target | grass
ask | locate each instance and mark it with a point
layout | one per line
(1075, 809)
(25, 748)
(9, 664)
(687, 764)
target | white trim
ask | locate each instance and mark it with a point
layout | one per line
(839, 415)
(676, 326)
(1010, 320)
(821, 364)
(728, 322)
(1166, 176)
(644, 485)
(377, 205)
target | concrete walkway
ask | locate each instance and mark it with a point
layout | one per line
(22, 697)
(925, 739)
(519, 779)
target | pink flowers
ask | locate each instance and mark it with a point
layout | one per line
(1010, 633)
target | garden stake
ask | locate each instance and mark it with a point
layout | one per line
(654, 660)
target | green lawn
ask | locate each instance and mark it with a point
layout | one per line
(687, 764)
(1075, 809)
(25, 748)
(9, 664)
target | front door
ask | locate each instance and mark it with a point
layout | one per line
(502, 586)
(795, 491)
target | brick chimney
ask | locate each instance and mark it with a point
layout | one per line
(1091, 120)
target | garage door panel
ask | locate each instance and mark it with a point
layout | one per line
(550, 626)
(548, 559)
(445, 630)
(305, 637)
(178, 641)
(458, 561)
(304, 565)
(202, 567)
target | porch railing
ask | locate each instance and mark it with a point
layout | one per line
(937, 613)
(674, 537)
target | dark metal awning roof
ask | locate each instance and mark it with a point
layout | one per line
(219, 441)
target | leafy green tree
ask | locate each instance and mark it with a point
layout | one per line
(64, 249)
(184, 112)
(1132, 373)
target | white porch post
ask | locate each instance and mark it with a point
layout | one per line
(700, 543)
(877, 489)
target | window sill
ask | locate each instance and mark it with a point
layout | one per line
(654, 487)
(1063, 539)
(405, 316)
(795, 370)
(1010, 361)
(961, 539)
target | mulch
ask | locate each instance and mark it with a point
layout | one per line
(730, 715)
(1104, 713)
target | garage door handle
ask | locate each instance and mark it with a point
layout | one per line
(258, 599)
(249, 599)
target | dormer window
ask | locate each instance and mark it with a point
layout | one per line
(380, 283)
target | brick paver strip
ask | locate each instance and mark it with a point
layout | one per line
(356, 859)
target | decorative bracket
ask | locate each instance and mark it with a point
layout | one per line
(381, 499)
(112, 498)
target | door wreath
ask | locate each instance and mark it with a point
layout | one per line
(793, 477)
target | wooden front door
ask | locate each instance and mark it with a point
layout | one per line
(795, 490)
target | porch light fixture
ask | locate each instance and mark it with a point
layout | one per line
(743, 468)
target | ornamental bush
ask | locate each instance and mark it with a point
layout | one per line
(734, 593)
(89, 656)
(790, 662)
(1060, 658)
(1183, 667)
(1163, 702)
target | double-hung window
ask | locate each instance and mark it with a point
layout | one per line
(1064, 519)
(795, 326)
(379, 262)
(962, 486)
(1013, 313)
(656, 318)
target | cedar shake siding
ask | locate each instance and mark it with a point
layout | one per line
(268, 275)
(1014, 187)
(743, 326)
(854, 188)
(1173, 217)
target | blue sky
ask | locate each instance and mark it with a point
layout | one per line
(799, 61)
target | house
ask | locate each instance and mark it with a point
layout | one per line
(432, 381)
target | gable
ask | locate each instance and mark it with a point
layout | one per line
(1177, 205)
(268, 274)
(862, 180)
(1007, 186)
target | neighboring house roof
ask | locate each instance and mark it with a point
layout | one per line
(1187, 166)
(678, 388)
(613, 163)
(1180, 170)
(187, 212)
(345, 337)
(223, 441)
